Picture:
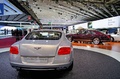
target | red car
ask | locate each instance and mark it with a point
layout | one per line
(94, 36)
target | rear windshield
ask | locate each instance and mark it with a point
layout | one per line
(44, 35)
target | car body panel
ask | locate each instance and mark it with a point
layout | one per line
(116, 37)
(36, 48)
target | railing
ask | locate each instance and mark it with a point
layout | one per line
(7, 41)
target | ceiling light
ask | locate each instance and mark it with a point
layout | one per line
(59, 13)
(34, 0)
(56, 1)
(50, 8)
(36, 4)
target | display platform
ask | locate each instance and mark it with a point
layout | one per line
(6, 41)
(113, 46)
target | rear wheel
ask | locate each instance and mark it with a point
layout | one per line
(20, 71)
(70, 67)
(96, 41)
(112, 39)
(70, 39)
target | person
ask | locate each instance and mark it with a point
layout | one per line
(20, 34)
(25, 32)
(5, 31)
(17, 34)
(29, 30)
(12, 32)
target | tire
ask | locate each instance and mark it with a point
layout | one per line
(112, 39)
(70, 67)
(96, 41)
(20, 70)
(70, 39)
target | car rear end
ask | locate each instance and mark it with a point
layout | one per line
(43, 52)
(106, 38)
(103, 37)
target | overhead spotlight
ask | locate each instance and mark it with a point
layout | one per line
(34, 0)
(56, 1)
(36, 4)
(72, 3)
(50, 8)
(59, 13)
(80, 9)
(71, 17)
(89, 8)
(75, 16)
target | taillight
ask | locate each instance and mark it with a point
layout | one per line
(108, 36)
(64, 51)
(14, 50)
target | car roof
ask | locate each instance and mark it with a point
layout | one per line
(92, 30)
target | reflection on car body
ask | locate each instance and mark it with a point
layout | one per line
(42, 49)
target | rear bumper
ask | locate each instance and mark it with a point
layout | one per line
(106, 40)
(41, 67)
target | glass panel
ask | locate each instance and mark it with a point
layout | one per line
(44, 35)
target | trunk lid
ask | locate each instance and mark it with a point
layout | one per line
(39, 48)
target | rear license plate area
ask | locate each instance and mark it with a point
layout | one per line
(34, 60)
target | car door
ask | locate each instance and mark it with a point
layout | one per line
(87, 35)
(80, 35)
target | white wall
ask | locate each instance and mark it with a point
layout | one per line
(8, 27)
(83, 25)
(103, 23)
(107, 23)
(70, 27)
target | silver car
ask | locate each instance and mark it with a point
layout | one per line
(42, 49)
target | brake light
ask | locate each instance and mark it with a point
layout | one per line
(108, 36)
(14, 50)
(64, 51)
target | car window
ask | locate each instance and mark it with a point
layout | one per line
(81, 31)
(44, 35)
(92, 32)
(87, 32)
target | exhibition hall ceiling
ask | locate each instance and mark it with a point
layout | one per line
(10, 14)
(68, 12)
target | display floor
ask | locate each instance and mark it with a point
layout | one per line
(87, 65)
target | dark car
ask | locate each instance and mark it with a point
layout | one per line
(96, 37)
